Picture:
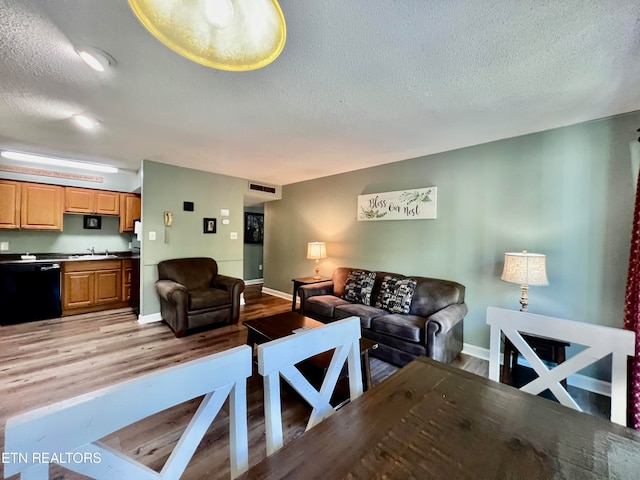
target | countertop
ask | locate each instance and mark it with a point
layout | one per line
(14, 258)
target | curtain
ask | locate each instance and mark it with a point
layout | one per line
(632, 316)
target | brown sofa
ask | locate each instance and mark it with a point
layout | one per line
(194, 295)
(433, 325)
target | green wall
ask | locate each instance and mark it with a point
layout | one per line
(165, 188)
(567, 193)
(73, 239)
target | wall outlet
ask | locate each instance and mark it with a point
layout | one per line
(152, 235)
(130, 245)
(234, 235)
(260, 267)
(4, 246)
(224, 212)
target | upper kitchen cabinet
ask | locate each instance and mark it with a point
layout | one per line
(84, 200)
(107, 203)
(130, 207)
(41, 206)
(9, 204)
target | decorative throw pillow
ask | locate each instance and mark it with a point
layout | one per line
(396, 294)
(359, 286)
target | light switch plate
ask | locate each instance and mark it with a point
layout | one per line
(4, 245)
(152, 235)
(234, 235)
(224, 212)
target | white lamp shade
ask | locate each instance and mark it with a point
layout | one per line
(525, 268)
(316, 250)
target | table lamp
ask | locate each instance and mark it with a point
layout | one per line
(316, 251)
(525, 269)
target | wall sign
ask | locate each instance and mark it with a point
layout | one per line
(50, 173)
(416, 204)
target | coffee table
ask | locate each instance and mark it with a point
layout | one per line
(262, 330)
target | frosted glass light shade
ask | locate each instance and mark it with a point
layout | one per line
(251, 38)
(525, 268)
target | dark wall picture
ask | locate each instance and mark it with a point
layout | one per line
(209, 225)
(253, 227)
(92, 222)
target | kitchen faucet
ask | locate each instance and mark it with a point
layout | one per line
(92, 250)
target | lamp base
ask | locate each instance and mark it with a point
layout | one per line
(524, 298)
(317, 275)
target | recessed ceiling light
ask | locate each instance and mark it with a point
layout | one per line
(84, 121)
(95, 58)
(60, 162)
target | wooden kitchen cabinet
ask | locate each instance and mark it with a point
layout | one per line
(107, 203)
(127, 273)
(85, 200)
(130, 208)
(90, 286)
(41, 206)
(10, 204)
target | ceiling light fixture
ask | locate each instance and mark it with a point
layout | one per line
(235, 35)
(60, 162)
(95, 58)
(84, 121)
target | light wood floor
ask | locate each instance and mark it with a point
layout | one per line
(52, 360)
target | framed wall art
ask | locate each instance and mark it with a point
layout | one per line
(92, 222)
(253, 227)
(209, 225)
(415, 204)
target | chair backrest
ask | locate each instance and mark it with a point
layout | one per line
(75, 426)
(599, 340)
(279, 357)
(194, 272)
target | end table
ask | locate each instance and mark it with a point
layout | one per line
(547, 349)
(298, 282)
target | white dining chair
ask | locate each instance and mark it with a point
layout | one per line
(72, 429)
(278, 359)
(600, 341)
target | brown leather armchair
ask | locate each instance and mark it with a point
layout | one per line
(194, 295)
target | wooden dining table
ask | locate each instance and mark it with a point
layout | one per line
(433, 421)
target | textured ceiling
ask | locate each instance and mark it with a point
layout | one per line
(359, 83)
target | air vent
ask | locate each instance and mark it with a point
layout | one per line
(262, 188)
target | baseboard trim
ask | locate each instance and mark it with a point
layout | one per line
(577, 380)
(475, 351)
(255, 281)
(277, 293)
(154, 317)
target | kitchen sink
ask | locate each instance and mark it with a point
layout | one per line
(91, 257)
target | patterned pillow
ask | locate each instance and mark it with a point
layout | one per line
(359, 286)
(396, 294)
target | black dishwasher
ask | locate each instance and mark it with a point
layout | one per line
(29, 291)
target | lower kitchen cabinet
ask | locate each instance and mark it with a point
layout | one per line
(90, 286)
(126, 280)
